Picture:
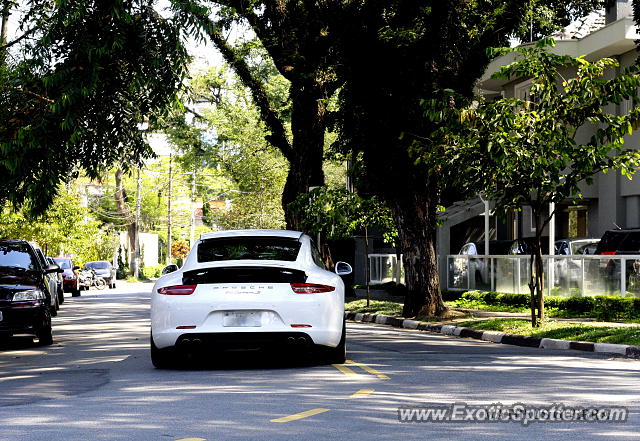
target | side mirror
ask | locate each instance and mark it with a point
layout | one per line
(343, 269)
(169, 269)
(52, 269)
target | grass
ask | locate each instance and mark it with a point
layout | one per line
(629, 335)
(375, 307)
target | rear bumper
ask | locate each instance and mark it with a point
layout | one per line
(248, 339)
(70, 285)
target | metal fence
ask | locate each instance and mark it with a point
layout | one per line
(385, 268)
(584, 275)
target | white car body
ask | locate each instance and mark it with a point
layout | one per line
(221, 306)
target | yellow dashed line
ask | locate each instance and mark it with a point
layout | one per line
(345, 370)
(362, 393)
(369, 369)
(192, 439)
(299, 416)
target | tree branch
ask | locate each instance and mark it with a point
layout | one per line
(278, 136)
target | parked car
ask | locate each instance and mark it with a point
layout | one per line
(525, 246)
(25, 299)
(568, 272)
(60, 280)
(52, 280)
(477, 265)
(103, 269)
(70, 275)
(620, 242)
(250, 289)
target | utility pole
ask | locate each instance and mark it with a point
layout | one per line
(169, 210)
(136, 256)
(192, 225)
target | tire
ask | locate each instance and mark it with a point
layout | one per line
(113, 285)
(75, 292)
(44, 333)
(338, 355)
(160, 358)
(60, 297)
(100, 283)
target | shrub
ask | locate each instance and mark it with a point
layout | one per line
(152, 272)
(601, 307)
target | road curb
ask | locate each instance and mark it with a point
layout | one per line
(496, 337)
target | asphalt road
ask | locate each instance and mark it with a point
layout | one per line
(97, 383)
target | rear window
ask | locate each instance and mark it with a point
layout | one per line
(611, 241)
(248, 248)
(63, 263)
(97, 265)
(17, 256)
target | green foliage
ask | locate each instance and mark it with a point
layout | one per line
(66, 228)
(339, 214)
(234, 143)
(601, 307)
(152, 272)
(79, 88)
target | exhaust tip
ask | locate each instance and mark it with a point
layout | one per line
(291, 340)
(301, 341)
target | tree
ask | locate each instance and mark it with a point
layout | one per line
(65, 228)
(87, 75)
(295, 36)
(392, 56)
(535, 140)
(231, 137)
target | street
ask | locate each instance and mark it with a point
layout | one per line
(96, 382)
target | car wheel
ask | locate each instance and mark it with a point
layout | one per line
(75, 292)
(160, 358)
(113, 285)
(338, 355)
(60, 297)
(44, 333)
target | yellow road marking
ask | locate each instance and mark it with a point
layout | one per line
(369, 369)
(345, 370)
(362, 393)
(192, 439)
(299, 416)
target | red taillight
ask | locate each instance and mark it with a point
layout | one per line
(177, 290)
(311, 288)
(300, 326)
(608, 253)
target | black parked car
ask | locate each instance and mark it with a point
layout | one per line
(620, 242)
(25, 296)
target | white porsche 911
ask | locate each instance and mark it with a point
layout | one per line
(249, 289)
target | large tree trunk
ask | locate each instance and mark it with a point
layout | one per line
(305, 164)
(415, 218)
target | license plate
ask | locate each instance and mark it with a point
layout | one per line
(241, 319)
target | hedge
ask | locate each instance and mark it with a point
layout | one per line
(599, 307)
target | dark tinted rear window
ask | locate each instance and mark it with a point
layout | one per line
(248, 248)
(631, 243)
(16, 255)
(611, 241)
